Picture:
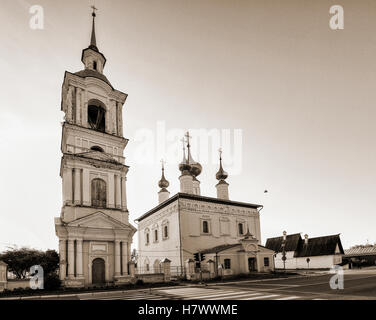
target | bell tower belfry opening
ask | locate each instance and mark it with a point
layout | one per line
(94, 233)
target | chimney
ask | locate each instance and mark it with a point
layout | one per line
(306, 239)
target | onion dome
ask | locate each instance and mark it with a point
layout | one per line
(221, 174)
(184, 165)
(163, 183)
(196, 167)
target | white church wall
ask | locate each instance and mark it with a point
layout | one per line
(165, 247)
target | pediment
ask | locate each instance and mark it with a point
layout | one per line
(99, 220)
(97, 155)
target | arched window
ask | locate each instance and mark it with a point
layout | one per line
(97, 148)
(94, 65)
(205, 227)
(98, 193)
(156, 235)
(240, 228)
(96, 117)
(165, 231)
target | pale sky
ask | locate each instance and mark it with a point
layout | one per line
(302, 94)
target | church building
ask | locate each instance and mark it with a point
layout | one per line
(227, 232)
(94, 233)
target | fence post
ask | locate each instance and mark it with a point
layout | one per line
(3, 276)
(132, 269)
(166, 269)
(190, 267)
(211, 268)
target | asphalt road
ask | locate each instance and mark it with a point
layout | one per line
(358, 284)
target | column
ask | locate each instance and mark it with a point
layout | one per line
(86, 187)
(63, 259)
(118, 192)
(67, 186)
(70, 258)
(120, 119)
(117, 258)
(78, 105)
(111, 190)
(123, 194)
(77, 186)
(84, 109)
(79, 258)
(107, 119)
(125, 257)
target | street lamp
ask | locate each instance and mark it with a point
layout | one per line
(283, 250)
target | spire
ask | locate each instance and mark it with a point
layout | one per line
(184, 165)
(221, 174)
(163, 194)
(222, 185)
(163, 183)
(196, 167)
(93, 40)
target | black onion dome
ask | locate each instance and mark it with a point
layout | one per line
(184, 166)
(163, 183)
(196, 167)
(221, 174)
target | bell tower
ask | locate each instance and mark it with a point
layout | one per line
(94, 233)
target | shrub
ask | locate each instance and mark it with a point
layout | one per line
(139, 282)
(52, 282)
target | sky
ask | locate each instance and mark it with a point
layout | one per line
(294, 99)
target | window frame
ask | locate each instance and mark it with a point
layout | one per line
(207, 221)
(227, 264)
(95, 201)
(266, 259)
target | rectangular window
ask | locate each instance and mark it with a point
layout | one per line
(266, 262)
(205, 226)
(147, 238)
(165, 231)
(155, 235)
(240, 228)
(227, 263)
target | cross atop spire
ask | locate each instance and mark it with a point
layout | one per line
(93, 41)
(94, 9)
(187, 136)
(163, 163)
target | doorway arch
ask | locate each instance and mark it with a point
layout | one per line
(98, 271)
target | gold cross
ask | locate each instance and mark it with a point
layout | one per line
(220, 153)
(94, 9)
(163, 163)
(188, 137)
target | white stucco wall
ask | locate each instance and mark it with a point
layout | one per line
(164, 248)
(316, 262)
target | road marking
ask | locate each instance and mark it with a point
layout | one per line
(238, 296)
(262, 297)
(288, 298)
(219, 295)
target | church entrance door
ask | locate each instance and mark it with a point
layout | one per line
(98, 271)
(252, 264)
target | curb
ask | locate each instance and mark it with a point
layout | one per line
(263, 280)
(96, 293)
